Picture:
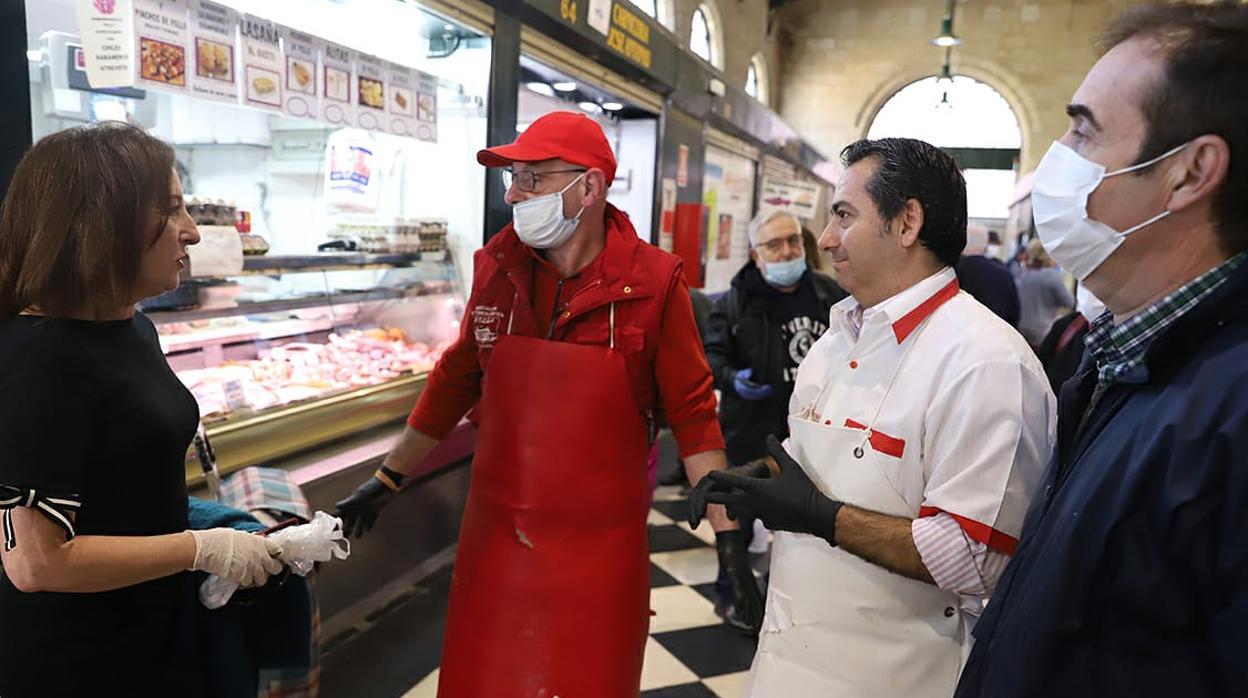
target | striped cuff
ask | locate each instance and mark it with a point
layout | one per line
(957, 562)
(59, 509)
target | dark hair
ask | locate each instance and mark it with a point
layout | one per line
(1203, 90)
(77, 218)
(912, 169)
(810, 249)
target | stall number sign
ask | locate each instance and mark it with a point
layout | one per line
(629, 35)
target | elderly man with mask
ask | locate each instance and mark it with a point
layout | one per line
(1132, 576)
(919, 426)
(758, 334)
(577, 334)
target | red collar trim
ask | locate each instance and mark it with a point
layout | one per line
(911, 320)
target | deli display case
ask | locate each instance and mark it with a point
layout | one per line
(293, 352)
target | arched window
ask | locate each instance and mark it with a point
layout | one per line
(756, 80)
(704, 39)
(969, 119)
(660, 10)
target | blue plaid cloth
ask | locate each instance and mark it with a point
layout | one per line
(265, 489)
(1119, 349)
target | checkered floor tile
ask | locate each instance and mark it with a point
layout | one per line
(690, 653)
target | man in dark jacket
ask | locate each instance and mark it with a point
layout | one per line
(760, 330)
(986, 278)
(1131, 578)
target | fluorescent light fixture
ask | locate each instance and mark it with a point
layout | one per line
(34, 55)
(612, 106)
(566, 86)
(449, 27)
(541, 88)
(590, 107)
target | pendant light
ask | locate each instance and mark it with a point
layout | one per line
(947, 37)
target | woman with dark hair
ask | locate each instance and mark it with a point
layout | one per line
(94, 427)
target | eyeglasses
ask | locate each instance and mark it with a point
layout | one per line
(526, 180)
(777, 245)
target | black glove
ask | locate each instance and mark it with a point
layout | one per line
(697, 496)
(787, 502)
(746, 613)
(359, 511)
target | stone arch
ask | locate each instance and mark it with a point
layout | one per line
(1005, 83)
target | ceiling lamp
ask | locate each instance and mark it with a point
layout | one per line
(540, 88)
(566, 86)
(947, 38)
(590, 107)
(612, 106)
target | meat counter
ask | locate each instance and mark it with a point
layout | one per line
(310, 364)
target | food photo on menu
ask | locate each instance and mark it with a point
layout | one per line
(337, 84)
(214, 60)
(301, 75)
(162, 62)
(262, 85)
(372, 93)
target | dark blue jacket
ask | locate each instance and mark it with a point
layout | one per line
(1131, 578)
(992, 284)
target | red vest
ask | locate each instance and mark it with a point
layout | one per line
(637, 277)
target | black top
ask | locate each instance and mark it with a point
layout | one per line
(992, 284)
(757, 326)
(92, 409)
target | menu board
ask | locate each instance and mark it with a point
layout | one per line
(426, 107)
(370, 93)
(401, 102)
(107, 34)
(262, 63)
(301, 69)
(214, 36)
(161, 38)
(337, 73)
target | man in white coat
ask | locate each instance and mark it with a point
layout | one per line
(920, 424)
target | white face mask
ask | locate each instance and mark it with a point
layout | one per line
(1059, 203)
(540, 223)
(1087, 304)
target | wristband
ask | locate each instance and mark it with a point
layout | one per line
(389, 478)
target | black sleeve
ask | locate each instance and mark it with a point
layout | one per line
(718, 343)
(46, 419)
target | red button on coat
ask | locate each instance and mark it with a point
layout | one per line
(853, 364)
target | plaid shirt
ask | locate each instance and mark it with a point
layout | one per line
(1119, 349)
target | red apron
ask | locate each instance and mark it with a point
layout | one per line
(550, 594)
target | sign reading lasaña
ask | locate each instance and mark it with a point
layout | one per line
(629, 35)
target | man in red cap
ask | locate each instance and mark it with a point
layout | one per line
(577, 338)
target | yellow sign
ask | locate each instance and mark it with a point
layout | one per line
(629, 35)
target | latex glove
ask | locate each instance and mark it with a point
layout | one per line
(787, 502)
(360, 510)
(697, 496)
(237, 556)
(746, 613)
(747, 388)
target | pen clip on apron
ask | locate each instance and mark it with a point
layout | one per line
(550, 594)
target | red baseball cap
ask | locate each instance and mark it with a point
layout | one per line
(565, 135)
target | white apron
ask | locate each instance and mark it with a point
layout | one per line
(837, 625)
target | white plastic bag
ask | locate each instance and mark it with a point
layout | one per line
(302, 546)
